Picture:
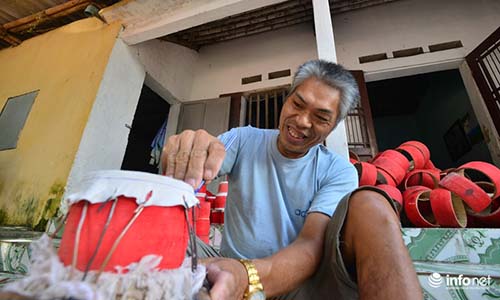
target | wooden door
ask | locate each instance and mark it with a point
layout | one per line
(361, 137)
(211, 115)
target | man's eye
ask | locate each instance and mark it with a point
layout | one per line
(296, 104)
(322, 119)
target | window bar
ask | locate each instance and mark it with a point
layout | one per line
(365, 132)
(349, 129)
(362, 128)
(267, 109)
(491, 65)
(497, 50)
(258, 111)
(353, 128)
(250, 110)
(276, 109)
(356, 129)
(362, 135)
(359, 133)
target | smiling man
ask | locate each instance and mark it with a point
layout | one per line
(295, 225)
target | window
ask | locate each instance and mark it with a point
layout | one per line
(263, 108)
(12, 119)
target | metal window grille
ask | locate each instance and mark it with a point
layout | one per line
(484, 62)
(357, 132)
(263, 109)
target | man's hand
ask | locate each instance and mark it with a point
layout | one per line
(228, 278)
(192, 156)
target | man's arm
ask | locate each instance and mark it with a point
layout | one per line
(281, 272)
(195, 155)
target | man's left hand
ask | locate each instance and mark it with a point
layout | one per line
(228, 278)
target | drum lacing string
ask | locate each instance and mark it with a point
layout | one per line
(77, 237)
(192, 236)
(101, 237)
(62, 219)
(137, 212)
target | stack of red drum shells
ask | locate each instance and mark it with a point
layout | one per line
(219, 203)
(202, 215)
(210, 210)
(429, 197)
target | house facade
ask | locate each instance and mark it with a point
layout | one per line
(120, 61)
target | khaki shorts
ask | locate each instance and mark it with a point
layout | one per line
(331, 280)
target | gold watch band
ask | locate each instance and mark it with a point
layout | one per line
(254, 283)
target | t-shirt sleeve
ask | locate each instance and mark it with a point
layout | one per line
(232, 140)
(335, 187)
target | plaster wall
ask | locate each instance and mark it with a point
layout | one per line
(168, 65)
(408, 24)
(66, 65)
(105, 137)
(220, 67)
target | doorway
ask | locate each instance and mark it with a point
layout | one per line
(433, 108)
(150, 119)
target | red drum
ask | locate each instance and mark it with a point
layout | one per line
(217, 216)
(220, 198)
(118, 217)
(203, 229)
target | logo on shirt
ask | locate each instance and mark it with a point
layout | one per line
(303, 213)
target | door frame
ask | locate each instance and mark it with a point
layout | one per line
(492, 137)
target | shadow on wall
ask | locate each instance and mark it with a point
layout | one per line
(433, 108)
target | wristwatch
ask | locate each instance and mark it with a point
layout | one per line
(255, 290)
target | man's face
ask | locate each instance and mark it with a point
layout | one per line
(307, 117)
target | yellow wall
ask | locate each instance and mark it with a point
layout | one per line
(66, 65)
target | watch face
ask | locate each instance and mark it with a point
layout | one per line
(257, 295)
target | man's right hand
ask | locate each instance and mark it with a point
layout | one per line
(192, 156)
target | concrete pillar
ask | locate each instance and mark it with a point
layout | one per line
(325, 43)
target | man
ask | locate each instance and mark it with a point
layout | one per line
(284, 187)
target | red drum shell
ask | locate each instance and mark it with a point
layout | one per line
(157, 230)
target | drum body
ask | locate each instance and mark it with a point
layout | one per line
(145, 220)
(219, 204)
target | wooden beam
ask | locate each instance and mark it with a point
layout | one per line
(257, 31)
(7, 37)
(289, 19)
(260, 20)
(154, 25)
(49, 12)
(251, 17)
(44, 18)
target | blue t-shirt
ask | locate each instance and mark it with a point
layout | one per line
(270, 195)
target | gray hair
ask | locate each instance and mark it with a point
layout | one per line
(333, 75)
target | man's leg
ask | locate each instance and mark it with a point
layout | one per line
(372, 242)
(386, 274)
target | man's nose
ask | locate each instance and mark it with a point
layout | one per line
(304, 119)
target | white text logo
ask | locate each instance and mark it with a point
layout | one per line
(436, 280)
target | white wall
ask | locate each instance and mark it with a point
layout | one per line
(105, 137)
(169, 65)
(220, 67)
(412, 23)
(384, 28)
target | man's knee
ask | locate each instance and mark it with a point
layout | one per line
(373, 206)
